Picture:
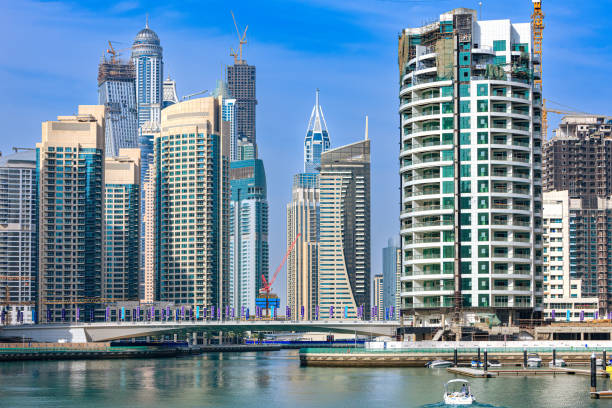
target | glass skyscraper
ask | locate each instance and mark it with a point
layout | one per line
(248, 232)
(317, 139)
(147, 60)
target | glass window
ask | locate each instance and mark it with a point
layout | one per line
(483, 202)
(464, 74)
(466, 284)
(483, 300)
(483, 105)
(483, 170)
(466, 186)
(499, 45)
(464, 139)
(483, 122)
(466, 251)
(483, 234)
(483, 186)
(446, 91)
(464, 90)
(483, 267)
(464, 107)
(466, 235)
(483, 138)
(483, 251)
(464, 122)
(447, 155)
(447, 138)
(466, 219)
(448, 267)
(482, 90)
(483, 154)
(448, 171)
(483, 219)
(447, 252)
(447, 107)
(447, 187)
(465, 170)
(465, 155)
(464, 58)
(466, 203)
(447, 123)
(448, 236)
(499, 60)
(483, 283)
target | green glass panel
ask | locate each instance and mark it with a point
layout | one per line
(483, 202)
(483, 251)
(483, 267)
(483, 170)
(483, 90)
(466, 186)
(483, 283)
(448, 171)
(448, 187)
(483, 234)
(483, 138)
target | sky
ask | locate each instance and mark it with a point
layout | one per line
(347, 49)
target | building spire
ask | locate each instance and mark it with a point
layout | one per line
(147, 21)
(366, 128)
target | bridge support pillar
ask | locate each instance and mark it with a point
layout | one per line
(220, 337)
(175, 336)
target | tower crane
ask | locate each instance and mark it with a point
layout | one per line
(113, 52)
(267, 286)
(241, 41)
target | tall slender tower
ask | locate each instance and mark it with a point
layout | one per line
(147, 59)
(317, 139)
(344, 248)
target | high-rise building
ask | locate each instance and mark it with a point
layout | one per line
(169, 96)
(378, 297)
(18, 236)
(148, 289)
(193, 192)
(577, 159)
(229, 115)
(241, 87)
(471, 169)
(147, 60)
(70, 196)
(391, 276)
(344, 243)
(121, 222)
(562, 286)
(248, 232)
(317, 140)
(302, 262)
(117, 92)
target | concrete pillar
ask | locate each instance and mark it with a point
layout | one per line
(220, 337)
(194, 338)
(175, 336)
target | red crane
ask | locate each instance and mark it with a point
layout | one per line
(267, 286)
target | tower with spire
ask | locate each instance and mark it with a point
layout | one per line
(317, 139)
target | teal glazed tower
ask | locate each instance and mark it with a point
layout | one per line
(471, 170)
(249, 258)
(317, 139)
(147, 60)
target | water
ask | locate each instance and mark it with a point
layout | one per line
(271, 379)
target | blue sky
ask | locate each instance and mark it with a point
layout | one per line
(348, 49)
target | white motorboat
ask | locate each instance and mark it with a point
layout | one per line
(557, 363)
(533, 360)
(599, 362)
(439, 364)
(458, 392)
(494, 363)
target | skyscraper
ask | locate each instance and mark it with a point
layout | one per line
(229, 115)
(70, 195)
(169, 93)
(18, 236)
(303, 262)
(317, 138)
(379, 282)
(577, 163)
(248, 232)
(471, 169)
(147, 60)
(117, 92)
(121, 221)
(193, 192)
(344, 246)
(241, 86)
(390, 273)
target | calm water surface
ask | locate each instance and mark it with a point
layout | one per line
(271, 379)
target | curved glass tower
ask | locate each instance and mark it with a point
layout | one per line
(471, 169)
(147, 59)
(317, 139)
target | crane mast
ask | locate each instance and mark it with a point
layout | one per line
(537, 32)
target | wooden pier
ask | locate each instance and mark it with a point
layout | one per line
(472, 372)
(479, 373)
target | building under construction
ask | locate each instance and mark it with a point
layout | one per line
(578, 159)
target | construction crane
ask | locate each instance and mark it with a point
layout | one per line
(546, 111)
(194, 94)
(537, 31)
(267, 286)
(113, 52)
(241, 41)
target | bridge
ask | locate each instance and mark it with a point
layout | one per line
(107, 331)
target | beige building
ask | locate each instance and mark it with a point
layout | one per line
(121, 217)
(192, 156)
(71, 211)
(378, 297)
(302, 263)
(562, 292)
(148, 218)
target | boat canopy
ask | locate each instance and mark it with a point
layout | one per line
(458, 380)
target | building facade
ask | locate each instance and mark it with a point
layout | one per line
(391, 276)
(193, 191)
(70, 196)
(378, 295)
(169, 96)
(578, 159)
(303, 261)
(317, 140)
(117, 92)
(344, 243)
(148, 62)
(241, 80)
(18, 237)
(562, 287)
(120, 279)
(249, 253)
(470, 168)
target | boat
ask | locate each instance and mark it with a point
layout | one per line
(458, 392)
(439, 364)
(476, 364)
(557, 363)
(494, 363)
(533, 360)
(599, 362)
